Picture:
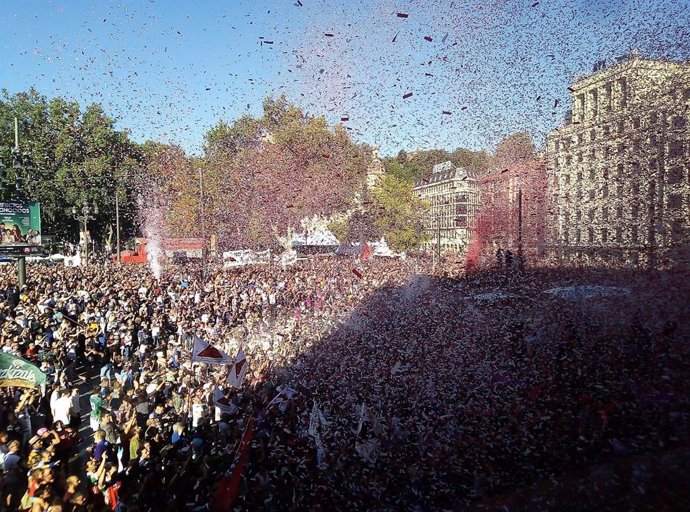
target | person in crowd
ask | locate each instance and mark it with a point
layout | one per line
(381, 389)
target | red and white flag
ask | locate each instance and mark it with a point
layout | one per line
(203, 352)
(238, 370)
(221, 401)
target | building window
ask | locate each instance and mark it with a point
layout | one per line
(579, 177)
(633, 234)
(580, 139)
(579, 157)
(590, 214)
(653, 118)
(605, 190)
(619, 170)
(619, 212)
(568, 160)
(675, 149)
(635, 187)
(578, 215)
(675, 202)
(590, 235)
(686, 94)
(607, 151)
(675, 175)
(604, 235)
(592, 155)
(619, 234)
(578, 236)
(607, 130)
(621, 127)
(592, 174)
(605, 213)
(594, 96)
(623, 87)
(621, 149)
(678, 123)
(566, 179)
(592, 134)
(591, 194)
(608, 95)
(635, 211)
(653, 141)
(636, 122)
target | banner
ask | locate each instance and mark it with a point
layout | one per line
(20, 224)
(202, 352)
(18, 372)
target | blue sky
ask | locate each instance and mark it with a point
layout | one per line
(168, 70)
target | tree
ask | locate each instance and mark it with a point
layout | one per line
(78, 157)
(399, 214)
(297, 168)
(515, 147)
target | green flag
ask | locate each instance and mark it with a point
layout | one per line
(18, 372)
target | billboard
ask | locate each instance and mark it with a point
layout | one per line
(20, 224)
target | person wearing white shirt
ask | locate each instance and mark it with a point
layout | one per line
(62, 407)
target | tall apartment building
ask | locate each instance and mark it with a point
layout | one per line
(454, 196)
(617, 170)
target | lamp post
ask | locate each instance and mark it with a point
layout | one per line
(21, 165)
(87, 213)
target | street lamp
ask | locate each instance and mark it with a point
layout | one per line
(21, 165)
(87, 213)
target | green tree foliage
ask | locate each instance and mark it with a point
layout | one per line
(514, 148)
(79, 157)
(398, 214)
(413, 167)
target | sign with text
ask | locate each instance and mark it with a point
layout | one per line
(20, 224)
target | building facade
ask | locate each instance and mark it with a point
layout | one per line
(617, 170)
(513, 209)
(454, 198)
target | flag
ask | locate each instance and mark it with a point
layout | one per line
(202, 352)
(367, 252)
(316, 422)
(228, 487)
(368, 450)
(357, 272)
(283, 395)
(362, 418)
(18, 372)
(221, 401)
(238, 370)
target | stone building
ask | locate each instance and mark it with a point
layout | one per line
(454, 197)
(513, 209)
(617, 170)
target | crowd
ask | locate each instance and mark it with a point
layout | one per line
(371, 386)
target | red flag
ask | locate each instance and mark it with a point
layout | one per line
(357, 273)
(367, 252)
(229, 485)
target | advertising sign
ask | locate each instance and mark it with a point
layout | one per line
(20, 224)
